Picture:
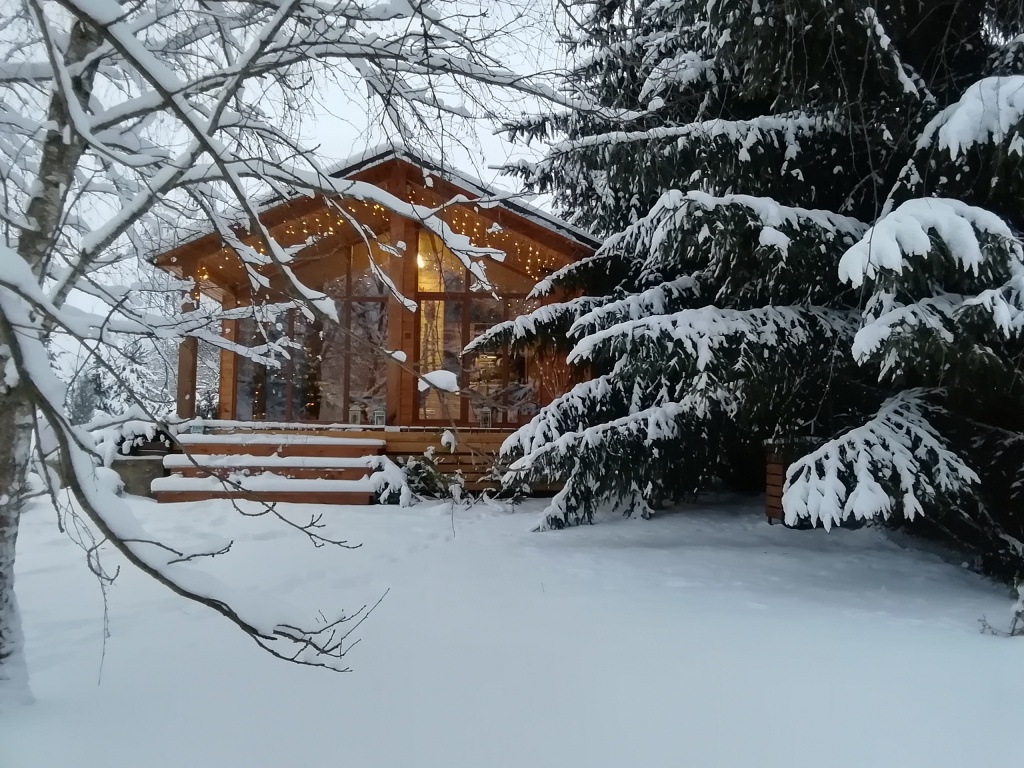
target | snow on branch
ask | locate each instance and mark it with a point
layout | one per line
(898, 462)
(546, 322)
(912, 83)
(990, 111)
(1003, 305)
(703, 333)
(779, 131)
(928, 228)
(565, 413)
(766, 211)
(652, 425)
(693, 231)
(887, 318)
(577, 273)
(680, 69)
(660, 300)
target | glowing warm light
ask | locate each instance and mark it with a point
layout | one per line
(419, 261)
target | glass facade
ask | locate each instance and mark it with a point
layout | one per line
(338, 372)
(454, 308)
(288, 388)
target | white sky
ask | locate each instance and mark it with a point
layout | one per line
(339, 124)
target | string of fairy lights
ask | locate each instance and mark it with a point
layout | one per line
(339, 218)
(534, 260)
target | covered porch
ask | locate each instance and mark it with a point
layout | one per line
(365, 370)
(326, 421)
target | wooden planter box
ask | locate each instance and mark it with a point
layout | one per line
(778, 458)
(776, 462)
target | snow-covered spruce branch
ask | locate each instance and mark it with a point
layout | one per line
(975, 251)
(566, 413)
(897, 463)
(582, 272)
(663, 299)
(547, 321)
(650, 426)
(709, 236)
(677, 208)
(1002, 306)
(977, 242)
(990, 111)
(778, 131)
(702, 333)
(887, 320)
(882, 47)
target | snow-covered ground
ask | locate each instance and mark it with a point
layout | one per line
(703, 638)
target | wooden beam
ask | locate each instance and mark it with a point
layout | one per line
(227, 383)
(401, 385)
(407, 390)
(188, 361)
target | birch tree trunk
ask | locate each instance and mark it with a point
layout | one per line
(62, 151)
(15, 453)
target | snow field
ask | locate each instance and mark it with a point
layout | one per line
(701, 638)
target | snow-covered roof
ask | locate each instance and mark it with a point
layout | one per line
(378, 155)
(512, 201)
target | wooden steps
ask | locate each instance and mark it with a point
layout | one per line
(474, 454)
(307, 464)
(294, 467)
(269, 497)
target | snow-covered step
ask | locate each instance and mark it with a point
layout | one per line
(267, 487)
(298, 467)
(282, 444)
(178, 460)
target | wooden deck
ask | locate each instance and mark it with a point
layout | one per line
(312, 464)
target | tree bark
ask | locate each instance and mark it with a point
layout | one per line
(15, 455)
(62, 150)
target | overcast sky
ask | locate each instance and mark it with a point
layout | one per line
(341, 125)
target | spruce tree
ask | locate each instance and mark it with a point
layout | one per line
(84, 395)
(811, 211)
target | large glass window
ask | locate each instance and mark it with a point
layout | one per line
(440, 349)
(455, 308)
(289, 389)
(501, 393)
(354, 369)
(337, 372)
(334, 372)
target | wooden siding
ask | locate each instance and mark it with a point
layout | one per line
(533, 249)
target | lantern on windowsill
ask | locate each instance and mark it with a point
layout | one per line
(485, 417)
(355, 415)
(380, 417)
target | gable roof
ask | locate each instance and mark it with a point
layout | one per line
(496, 196)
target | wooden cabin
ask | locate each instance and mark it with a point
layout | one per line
(359, 379)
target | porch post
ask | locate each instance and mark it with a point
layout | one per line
(188, 360)
(226, 385)
(401, 393)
